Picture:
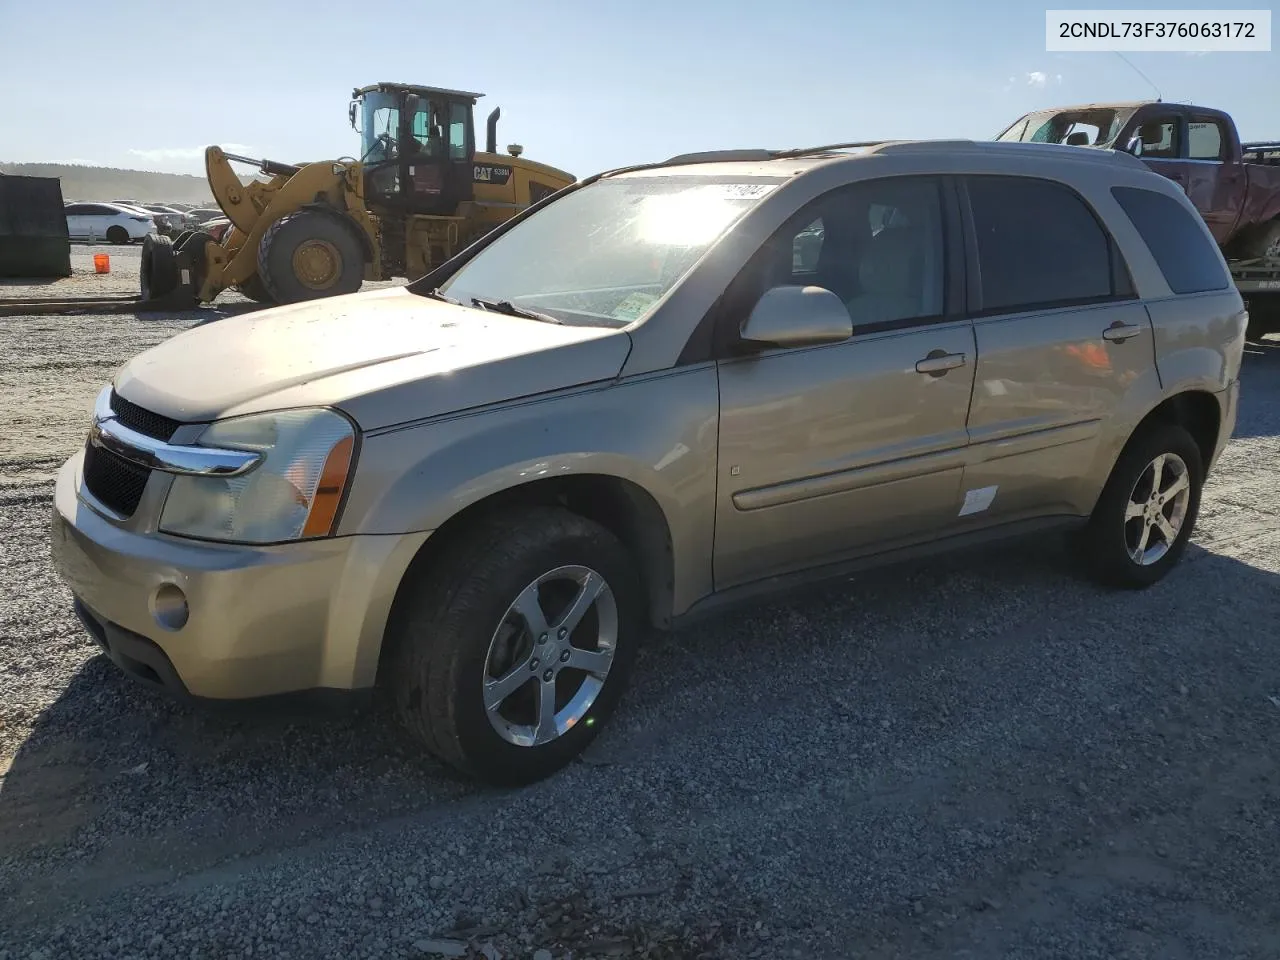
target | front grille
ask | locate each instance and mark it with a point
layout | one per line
(113, 480)
(143, 421)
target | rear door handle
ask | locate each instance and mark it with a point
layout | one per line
(1120, 332)
(938, 362)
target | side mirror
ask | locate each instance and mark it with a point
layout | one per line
(351, 114)
(1134, 146)
(797, 317)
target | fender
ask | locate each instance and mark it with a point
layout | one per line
(658, 432)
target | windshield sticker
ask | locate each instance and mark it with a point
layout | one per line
(633, 306)
(740, 191)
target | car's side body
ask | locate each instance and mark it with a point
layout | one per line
(87, 221)
(998, 402)
(749, 463)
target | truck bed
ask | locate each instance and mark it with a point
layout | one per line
(1263, 152)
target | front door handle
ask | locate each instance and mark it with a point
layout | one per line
(938, 362)
(1120, 332)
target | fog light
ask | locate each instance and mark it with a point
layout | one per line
(169, 606)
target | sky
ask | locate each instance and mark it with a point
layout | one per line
(147, 85)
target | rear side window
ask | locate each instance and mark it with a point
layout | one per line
(1186, 256)
(1204, 140)
(1039, 245)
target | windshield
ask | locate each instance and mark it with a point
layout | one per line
(606, 253)
(1095, 127)
(379, 127)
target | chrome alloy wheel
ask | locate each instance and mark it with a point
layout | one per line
(1157, 509)
(544, 670)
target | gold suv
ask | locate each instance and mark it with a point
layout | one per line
(663, 389)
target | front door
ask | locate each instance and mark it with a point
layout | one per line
(1060, 337)
(75, 221)
(1162, 135)
(830, 451)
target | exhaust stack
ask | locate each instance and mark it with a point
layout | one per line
(491, 140)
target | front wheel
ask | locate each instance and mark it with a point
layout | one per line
(310, 254)
(1148, 509)
(515, 646)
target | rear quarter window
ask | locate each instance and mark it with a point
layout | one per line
(1180, 245)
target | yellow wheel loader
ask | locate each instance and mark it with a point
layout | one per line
(419, 193)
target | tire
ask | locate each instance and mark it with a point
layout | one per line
(455, 621)
(117, 235)
(255, 290)
(310, 238)
(158, 270)
(1264, 316)
(1263, 241)
(1107, 539)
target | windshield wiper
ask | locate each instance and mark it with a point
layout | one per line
(437, 295)
(511, 310)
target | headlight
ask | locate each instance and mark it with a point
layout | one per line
(292, 493)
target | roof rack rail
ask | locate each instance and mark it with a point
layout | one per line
(763, 155)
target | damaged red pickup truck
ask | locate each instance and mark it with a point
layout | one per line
(1234, 185)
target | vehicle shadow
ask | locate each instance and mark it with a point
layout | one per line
(118, 786)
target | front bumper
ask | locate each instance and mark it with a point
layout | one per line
(260, 621)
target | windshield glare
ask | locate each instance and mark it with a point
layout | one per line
(606, 253)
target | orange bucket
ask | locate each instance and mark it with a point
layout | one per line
(101, 263)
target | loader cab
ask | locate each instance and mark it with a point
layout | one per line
(417, 145)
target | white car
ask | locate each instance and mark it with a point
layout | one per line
(107, 221)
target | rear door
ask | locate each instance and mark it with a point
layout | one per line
(1060, 336)
(1216, 182)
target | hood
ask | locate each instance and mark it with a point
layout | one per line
(385, 357)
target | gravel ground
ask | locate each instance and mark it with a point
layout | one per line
(982, 757)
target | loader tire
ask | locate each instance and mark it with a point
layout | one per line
(310, 254)
(158, 271)
(255, 290)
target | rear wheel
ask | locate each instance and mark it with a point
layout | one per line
(514, 648)
(1264, 315)
(117, 235)
(1264, 241)
(158, 270)
(310, 254)
(1148, 509)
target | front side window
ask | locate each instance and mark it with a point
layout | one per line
(1039, 245)
(1159, 139)
(878, 245)
(604, 254)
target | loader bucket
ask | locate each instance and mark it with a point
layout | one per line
(33, 228)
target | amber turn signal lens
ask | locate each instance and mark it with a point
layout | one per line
(333, 479)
